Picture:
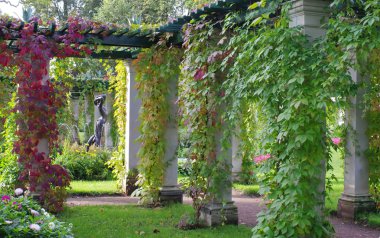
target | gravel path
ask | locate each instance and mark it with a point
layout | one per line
(248, 208)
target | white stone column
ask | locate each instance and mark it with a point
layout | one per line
(237, 159)
(311, 15)
(88, 116)
(43, 142)
(171, 192)
(222, 209)
(355, 197)
(75, 111)
(132, 123)
(108, 125)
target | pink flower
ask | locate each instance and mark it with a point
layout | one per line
(261, 158)
(336, 140)
(34, 212)
(5, 198)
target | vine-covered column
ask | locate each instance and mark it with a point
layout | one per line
(170, 191)
(237, 159)
(108, 142)
(132, 132)
(43, 142)
(311, 15)
(75, 110)
(88, 114)
(355, 198)
(221, 209)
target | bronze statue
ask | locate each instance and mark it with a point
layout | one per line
(96, 139)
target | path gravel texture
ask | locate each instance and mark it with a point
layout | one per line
(248, 208)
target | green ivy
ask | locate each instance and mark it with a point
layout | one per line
(118, 86)
(156, 68)
(200, 98)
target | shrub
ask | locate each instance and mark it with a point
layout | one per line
(84, 165)
(23, 217)
(184, 167)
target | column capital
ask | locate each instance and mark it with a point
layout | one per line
(311, 15)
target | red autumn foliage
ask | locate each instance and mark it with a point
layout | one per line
(38, 101)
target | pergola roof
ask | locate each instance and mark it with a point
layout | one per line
(128, 42)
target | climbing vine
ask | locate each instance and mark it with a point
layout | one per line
(156, 69)
(37, 102)
(118, 86)
(355, 27)
(200, 101)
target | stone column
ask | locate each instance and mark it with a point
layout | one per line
(75, 111)
(171, 192)
(132, 125)
(311, 15)
(43, 142)
(87, 130)
(355, 197)
(108, 126)
(221, 209)
(237, 160)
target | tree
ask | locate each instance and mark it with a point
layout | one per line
(10, 3)
(61, 9)
(146, 11)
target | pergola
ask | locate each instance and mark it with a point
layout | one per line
(125, 44)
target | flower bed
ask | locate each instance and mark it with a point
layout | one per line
(22, 217)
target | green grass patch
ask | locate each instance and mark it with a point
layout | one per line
(133, 221)
(94, 188)
(374, 219)
(247, 189)
(333, 195)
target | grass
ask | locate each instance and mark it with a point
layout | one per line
(94, 188)
(334, 194)
(374, 219)
(247, 189)
(133, 221)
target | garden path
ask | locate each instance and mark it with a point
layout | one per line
(248, 207)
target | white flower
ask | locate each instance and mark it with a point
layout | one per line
(35, 227)
(8, 222)
(19, 191)
(34, 212)
(51, 225)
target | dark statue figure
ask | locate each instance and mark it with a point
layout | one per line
(96, 139)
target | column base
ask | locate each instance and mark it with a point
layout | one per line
(215, 214)
(129, 184)
(171, 195)
(350, 206)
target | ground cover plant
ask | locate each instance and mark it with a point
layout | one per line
(22, 217)
(134, 221)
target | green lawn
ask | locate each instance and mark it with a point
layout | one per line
(133, 221)
(250, 190)
(94, 188)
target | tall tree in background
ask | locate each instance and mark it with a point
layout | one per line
(144, 11)
(61, 9)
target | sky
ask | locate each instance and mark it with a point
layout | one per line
(16, 12)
